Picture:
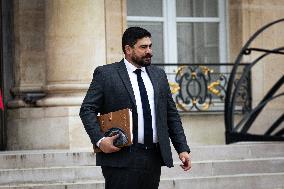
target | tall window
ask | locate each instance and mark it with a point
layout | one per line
(183, 31)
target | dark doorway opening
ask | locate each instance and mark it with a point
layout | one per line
(2, 113)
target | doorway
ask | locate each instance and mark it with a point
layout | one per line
(2, 112)
(6, 64)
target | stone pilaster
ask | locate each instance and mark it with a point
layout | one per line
(115, 11)
(74, 43)
(29, 49)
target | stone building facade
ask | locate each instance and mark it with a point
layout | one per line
(51, 47)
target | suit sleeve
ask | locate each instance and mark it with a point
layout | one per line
(92, 105)
(176, 131)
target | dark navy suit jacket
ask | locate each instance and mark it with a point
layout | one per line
(111, 90)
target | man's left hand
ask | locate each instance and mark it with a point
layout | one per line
(186, 160)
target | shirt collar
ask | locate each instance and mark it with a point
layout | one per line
(131, 68)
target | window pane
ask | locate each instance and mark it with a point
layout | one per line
(144, 8)
(198, 42)
(156, 30)
(197, 8)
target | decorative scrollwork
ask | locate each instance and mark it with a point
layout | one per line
(196, 89)
(238, 128)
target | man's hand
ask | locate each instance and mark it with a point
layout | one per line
(186, 160)
(106, 145)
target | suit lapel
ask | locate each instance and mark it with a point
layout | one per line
(126, 81)
(155, 82)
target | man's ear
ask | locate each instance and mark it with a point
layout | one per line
(128, 49)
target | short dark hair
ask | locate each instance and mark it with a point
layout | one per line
(132, 34)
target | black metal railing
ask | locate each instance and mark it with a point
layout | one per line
(202, 87)
(243, 128)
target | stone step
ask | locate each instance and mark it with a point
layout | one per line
(45, 158)
(238, 151)
(226, 167)
(199, 169)
(244, 181)
(55, 158)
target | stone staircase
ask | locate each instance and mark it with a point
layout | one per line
(243, 165)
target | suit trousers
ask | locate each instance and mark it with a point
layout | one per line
(143, 172)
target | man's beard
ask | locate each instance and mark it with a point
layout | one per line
(143, 61)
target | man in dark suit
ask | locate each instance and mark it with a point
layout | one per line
(134, 83)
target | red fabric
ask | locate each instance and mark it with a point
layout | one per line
(1, 102)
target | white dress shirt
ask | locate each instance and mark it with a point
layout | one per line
(150, 92)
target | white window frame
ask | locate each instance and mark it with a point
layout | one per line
(170, 21)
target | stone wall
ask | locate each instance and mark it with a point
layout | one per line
(58, 44)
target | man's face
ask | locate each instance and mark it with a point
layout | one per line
(141, 52)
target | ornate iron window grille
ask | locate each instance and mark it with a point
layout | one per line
(201, 88)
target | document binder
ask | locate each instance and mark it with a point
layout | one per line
(121, 119)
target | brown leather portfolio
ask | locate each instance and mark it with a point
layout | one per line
(121, 119)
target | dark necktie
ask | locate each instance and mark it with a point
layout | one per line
(148, 132)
